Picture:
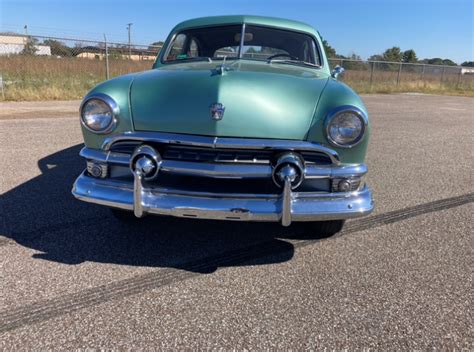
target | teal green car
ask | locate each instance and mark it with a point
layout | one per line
(240, 118)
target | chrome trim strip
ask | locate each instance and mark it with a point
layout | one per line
(227, 170)
(327, 206)
(342, 171)
(138, 194)
(242, 41)
(230, 171)
(286, 203)
(221, 142)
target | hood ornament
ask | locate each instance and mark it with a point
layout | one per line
(217, 111)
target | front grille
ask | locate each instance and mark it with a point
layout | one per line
(211, 155)
(124, 147)
(216, 155)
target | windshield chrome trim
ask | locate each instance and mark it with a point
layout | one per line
(242, 41)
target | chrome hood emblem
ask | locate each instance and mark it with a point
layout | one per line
(217, 111)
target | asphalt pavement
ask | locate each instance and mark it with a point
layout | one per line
(72, 277)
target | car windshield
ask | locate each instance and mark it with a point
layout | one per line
(260, 43)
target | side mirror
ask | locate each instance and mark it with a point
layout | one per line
(337, 71)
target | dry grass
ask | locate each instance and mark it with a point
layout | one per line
(386, 82)
(47, 78)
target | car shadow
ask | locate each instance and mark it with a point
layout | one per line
(41, 214)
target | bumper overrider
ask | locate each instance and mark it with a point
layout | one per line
(136, 171)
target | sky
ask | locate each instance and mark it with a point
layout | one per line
(432, 28)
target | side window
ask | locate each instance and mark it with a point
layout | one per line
(193, 48)
(308, 51)
(177, 48)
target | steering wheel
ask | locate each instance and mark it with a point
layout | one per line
(282, 55)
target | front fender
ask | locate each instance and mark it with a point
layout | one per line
(334, 95)
(118, 89)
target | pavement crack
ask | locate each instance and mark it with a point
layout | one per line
(41, 311)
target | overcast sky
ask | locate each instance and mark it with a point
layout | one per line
(432, 28)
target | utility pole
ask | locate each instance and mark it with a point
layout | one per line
(26, 33)
(107, 75)
(129, 27)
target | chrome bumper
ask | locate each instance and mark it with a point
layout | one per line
(293, 206)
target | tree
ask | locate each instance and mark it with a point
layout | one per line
(376, 57)
(355, 63)
(409, 56)
(439, 61)
(330, 51)
(30, 46)
(449, 62)
(58, 48)
(393, 54)
(468, 63)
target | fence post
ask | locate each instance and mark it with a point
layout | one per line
(106, 58)
(372, 73)
(459, 76)
(1, 87)
(423, 74)
(399, 72)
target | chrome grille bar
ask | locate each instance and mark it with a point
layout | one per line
(221, 143)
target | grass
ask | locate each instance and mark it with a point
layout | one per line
(386, 82)
(33, 78)
(50, 78)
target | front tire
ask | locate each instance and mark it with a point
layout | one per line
(124, 216)
(321, 229)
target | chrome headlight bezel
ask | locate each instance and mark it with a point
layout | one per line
(114, 111)
(358, 113)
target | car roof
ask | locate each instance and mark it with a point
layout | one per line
(255, 20)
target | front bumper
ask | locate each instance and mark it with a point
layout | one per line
(155, 200)
(225, 164)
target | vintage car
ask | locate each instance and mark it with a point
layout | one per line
(240, 118)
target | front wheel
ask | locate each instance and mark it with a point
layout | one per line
(123, 216)
(322, 229)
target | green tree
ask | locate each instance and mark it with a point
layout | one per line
(58, 48)
(468, 63)
(330, 51)
(393, 54)
(376, 57)
(409, 56)
(30, 46)
(355, 63)
(449, 62)
(439, 61)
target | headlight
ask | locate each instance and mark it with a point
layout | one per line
(345, 126)
(99, 113)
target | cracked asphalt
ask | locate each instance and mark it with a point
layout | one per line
(72, 277)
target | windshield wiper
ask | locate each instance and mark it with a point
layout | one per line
(294, 62)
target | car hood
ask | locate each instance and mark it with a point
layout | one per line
(261, 100)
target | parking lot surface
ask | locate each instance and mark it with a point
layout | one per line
(73, 277)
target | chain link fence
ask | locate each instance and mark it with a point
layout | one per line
(42, 68)
(381, 76)
(45, 68)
